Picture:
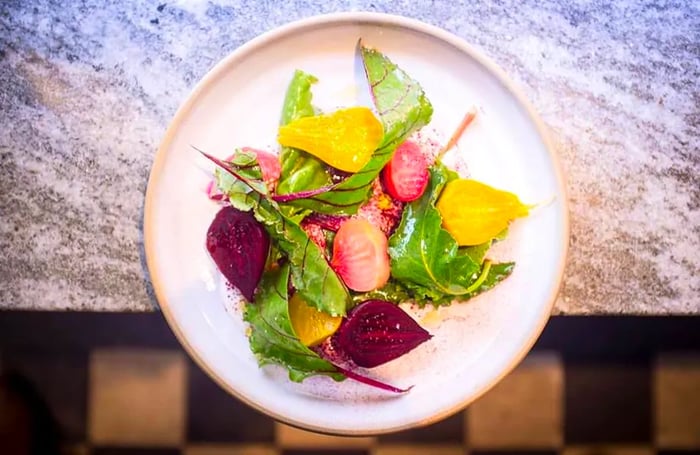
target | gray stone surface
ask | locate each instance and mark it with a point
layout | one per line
(88, 88)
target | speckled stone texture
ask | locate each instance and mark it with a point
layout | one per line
(88, 88)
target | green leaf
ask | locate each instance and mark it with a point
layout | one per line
(496, 274)
(501, 235)
(426, 261)
(272, 338)
(312, 276)
(240, 194)
(477, 253)
(425, 258)
(392, 292)
(402, 108)
(299, 170)
(397, 292)
(297, 101)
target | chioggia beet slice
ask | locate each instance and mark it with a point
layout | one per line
(360, 255)
(238, 244)
(376, 332)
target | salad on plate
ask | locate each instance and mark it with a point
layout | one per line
(352, 217)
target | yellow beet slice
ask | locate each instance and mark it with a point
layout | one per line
(474, 212)
(310, 325)
(344, 139)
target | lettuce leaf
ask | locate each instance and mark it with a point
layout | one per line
(497, 273)
(272, 338)
(239, 193)
(402, 108)
(477, 253)
(393, 291)
(427, 261)
(397, 292)
(494, 275)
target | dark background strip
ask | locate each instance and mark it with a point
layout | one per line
(597, 338)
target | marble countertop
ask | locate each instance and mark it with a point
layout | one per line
(88, 88)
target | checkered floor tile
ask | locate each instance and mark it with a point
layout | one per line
(91, 384)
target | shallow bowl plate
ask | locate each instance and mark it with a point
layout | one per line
(238, 104)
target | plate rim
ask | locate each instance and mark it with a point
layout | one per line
(376, 19)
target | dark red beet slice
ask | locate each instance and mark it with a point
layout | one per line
(238, 244)
(376, 332)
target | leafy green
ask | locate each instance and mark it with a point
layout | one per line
(427, 260)
(312, 276)
(392, 292)
(397, 292)
(496, 274)
(241, 194)
(501, 235)
(272, 338)
(402, 108)
(493, 275)
(423, 254)
(477, 253)
(299, 170)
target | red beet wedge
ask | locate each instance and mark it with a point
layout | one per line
(238, 244)
(376, 332)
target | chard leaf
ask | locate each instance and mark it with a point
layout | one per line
(494, 275)
(402, 108)
(312, 276)
(272, 338)
(239, 194)
(427, 261)
(477, 253)
(300, 171)
(393, 292)
(501, 235)
(398, 292)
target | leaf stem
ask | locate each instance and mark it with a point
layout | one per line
(542, 204)
(371, 382)
(466, 121)
(301, 194)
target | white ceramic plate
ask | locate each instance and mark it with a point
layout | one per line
(238, 103)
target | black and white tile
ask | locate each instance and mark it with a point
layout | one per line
(108, 384)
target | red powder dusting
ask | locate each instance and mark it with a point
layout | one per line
(428, 145)
(315, 233)
(381, 210)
